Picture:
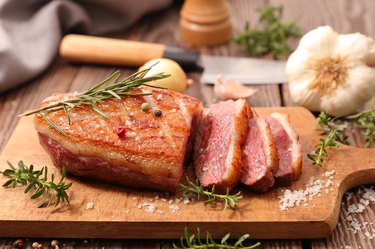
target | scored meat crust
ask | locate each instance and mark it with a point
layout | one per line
(149, 154)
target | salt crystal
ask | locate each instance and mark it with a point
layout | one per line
(90, 205)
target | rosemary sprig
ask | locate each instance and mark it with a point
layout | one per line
(195, 242)
(196, 189)
(46, 189)
(98, 93)
(320, 149)
(271, 36)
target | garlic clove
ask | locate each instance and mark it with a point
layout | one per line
(226, 89)
(320, 41)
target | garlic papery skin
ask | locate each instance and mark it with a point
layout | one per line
(331, 72)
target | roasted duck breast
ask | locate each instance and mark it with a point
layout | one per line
(288, 149)
(221, 133)
(133, 147)
(259, 156)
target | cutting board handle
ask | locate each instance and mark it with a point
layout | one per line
(354, 166)
(100, 50)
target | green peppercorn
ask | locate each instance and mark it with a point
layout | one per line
(158, 113)
(145, 107)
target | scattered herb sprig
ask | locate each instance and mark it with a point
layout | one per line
(320, 149)
(98, 93)
(196, 242)
(335, 127)
(37, 180)
(271, 36)
(196, 189)
(365, 120)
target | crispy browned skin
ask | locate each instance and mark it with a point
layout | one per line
(153, 150)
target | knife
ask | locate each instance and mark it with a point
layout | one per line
(99, 50)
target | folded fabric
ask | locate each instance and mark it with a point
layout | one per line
(30, 31)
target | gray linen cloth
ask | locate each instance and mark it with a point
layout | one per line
(31, 30)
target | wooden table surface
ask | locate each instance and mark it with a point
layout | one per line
(162, 27)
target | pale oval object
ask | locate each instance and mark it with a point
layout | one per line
(226, 89)
(332, 72)
(176, 81)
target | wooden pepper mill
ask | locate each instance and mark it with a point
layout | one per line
(205, 22)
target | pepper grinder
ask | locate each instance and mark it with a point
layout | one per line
(205, 22)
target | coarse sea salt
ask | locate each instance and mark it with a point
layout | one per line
(90, 205)
(292, 198)
(359, 205)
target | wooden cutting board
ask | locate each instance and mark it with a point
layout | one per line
(121, 212)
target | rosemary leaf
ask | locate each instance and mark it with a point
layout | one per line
(99, 93)
(45, 189)
(53, 124)
(196, 189)
(193, 241)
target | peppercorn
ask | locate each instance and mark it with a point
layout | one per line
(121, 131)
(158, 113)
(18, 244)
(145, 107)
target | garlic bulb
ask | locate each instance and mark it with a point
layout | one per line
(331, 72)
(225, 89)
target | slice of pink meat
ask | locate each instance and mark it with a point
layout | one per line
(288, 149)
(221, 133)
(259, 156)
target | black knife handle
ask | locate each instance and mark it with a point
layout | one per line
(188, 60)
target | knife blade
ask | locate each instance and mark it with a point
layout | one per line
(99, 50)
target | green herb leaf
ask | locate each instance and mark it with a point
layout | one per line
(47, 190)
(194, 242)
(271, 36)
(99, 93)
(197, 190)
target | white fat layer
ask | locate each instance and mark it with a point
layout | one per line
(228, 163)
(284, 121)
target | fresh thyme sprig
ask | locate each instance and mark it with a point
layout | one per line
(271, 36)
(46, 189)
(365, 120)
(196, 189)
(99, 93)
(195, 242)
(336, 127)
(328, 124)
(320, 149)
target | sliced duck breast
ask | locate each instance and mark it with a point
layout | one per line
(221, 133)
(259, 156)
(288, 149)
